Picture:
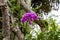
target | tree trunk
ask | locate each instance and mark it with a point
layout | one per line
(6, 26)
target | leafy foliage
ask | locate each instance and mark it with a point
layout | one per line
(51, 31)
(51, 34)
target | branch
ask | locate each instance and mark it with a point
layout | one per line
(25, 6)
(18, 33)
(16, 38)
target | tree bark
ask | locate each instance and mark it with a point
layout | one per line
(16, 38)
(18, 33)
(28, 2)
(25, 6)
(6, 26)
(16, 30)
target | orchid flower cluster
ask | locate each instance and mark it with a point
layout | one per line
(29, 17)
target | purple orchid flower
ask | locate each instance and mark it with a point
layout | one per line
(29, 17)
